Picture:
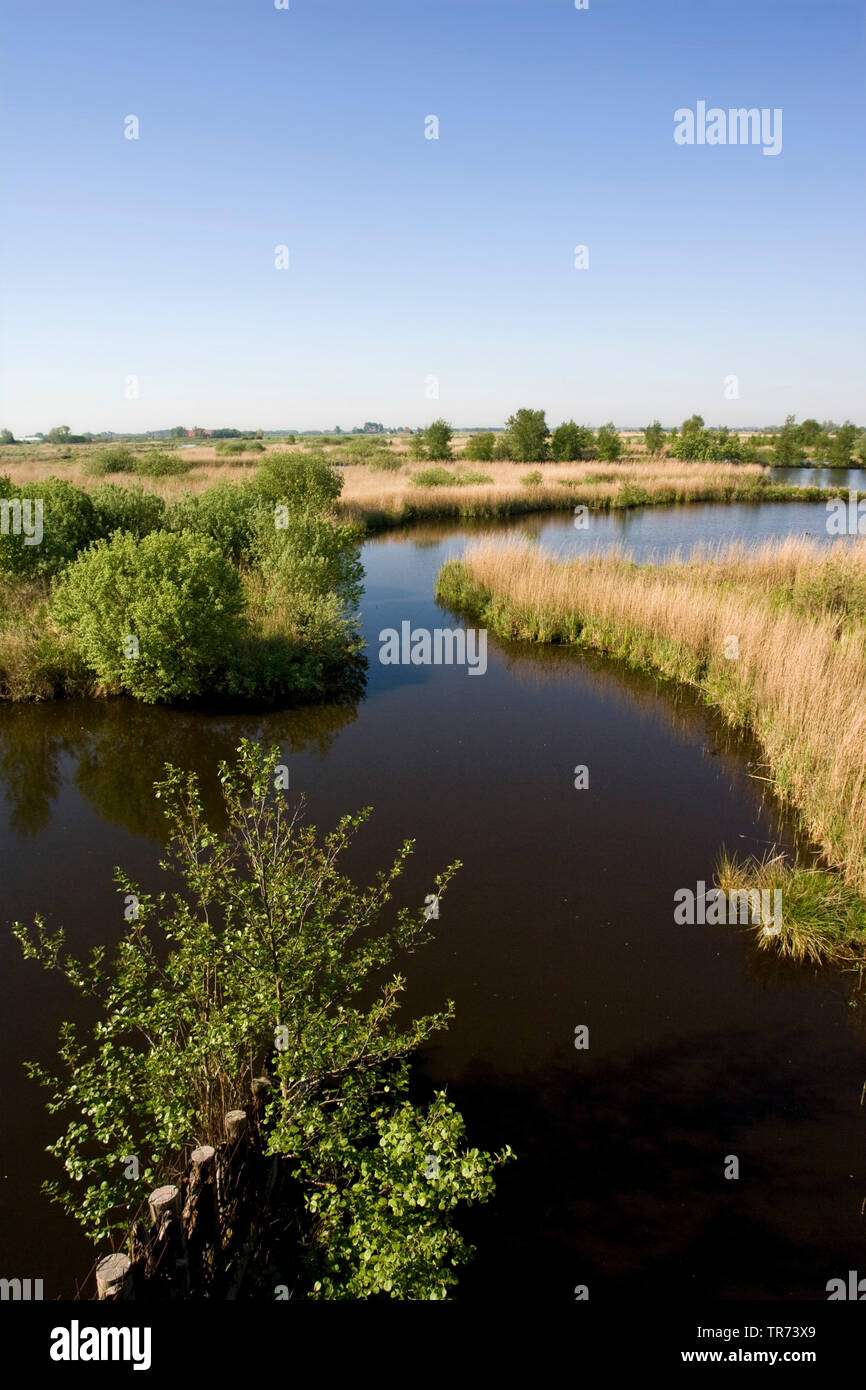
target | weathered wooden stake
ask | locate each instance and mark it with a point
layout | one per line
(163, 1203)
(113, 1277)
(236, 1123)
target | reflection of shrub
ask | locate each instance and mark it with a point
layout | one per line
(159, 465)
(68, 524)
(176, 594)
(117, 460)
(532, 479)
(120, 508)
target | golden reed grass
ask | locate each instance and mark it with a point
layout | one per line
(798, 681)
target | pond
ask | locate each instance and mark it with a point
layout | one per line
(562, 916)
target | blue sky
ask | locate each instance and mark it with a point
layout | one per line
(411, 258)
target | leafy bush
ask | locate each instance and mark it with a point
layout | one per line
(469, 479)
(306, 582)
(384, 462)
(68, 523)
(437, 439)
(182, 1031)
(570, 442)
(434, 477)
(231, 446)
(298, 480)
(532, 479)
(119, 459)
(226, 513)
(176, 594)
(609, 443)
(480, 447)
(159, 465)
(120, 508)
(503, 449)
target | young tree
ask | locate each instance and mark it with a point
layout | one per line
(528, 433)
(609, 443)
(267, 956)
(841, 445)
(437, 439)
(570, 441)
(479, 447)
(416, 446)
(787, 452)
(654, 438)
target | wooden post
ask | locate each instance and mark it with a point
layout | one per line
(113, 1277)
(236, 1124)
(164, 1202)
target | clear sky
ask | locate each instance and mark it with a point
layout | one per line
(412, 258)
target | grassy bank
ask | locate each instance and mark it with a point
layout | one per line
(794, 677)
(382, 501)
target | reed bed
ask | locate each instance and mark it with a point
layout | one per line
(797, 680)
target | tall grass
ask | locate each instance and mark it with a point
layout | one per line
(798, 682)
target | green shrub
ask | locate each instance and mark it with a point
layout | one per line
(230, 446)
(385, 463)
(176, 594)
(226, 513)
(480, 447)
(532, 479)
(68, 524)
(120, 508)
(159, 465)
(503, 449)
(298, 480)
(469, 479)
(434, 477)
(114, 460)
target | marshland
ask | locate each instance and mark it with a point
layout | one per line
(606, 650)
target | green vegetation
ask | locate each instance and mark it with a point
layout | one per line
(246, 592)
(118, 459)
(437, 439)
(823, 918)
(533, 479)
(156, 618)
(528, 435)
(654, 438)
(160, 465)
(608, 443)
(263, 957)
(570, 442)
(480, 447)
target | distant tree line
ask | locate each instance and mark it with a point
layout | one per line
(527, 438)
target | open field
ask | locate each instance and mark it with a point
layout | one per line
(773, 636)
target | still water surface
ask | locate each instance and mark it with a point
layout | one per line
(562, 915)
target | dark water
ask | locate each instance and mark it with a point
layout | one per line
(561, 916)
